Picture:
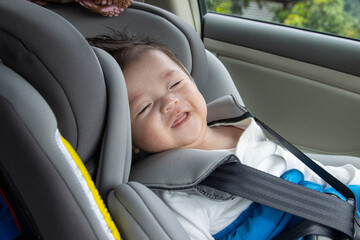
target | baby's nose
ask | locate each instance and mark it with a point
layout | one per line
(169, 104)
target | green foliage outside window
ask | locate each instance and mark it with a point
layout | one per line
(341, 17)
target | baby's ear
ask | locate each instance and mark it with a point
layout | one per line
(138, 154)
(135, 150)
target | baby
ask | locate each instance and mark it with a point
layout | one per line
(168, 112)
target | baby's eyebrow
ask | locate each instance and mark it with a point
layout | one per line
(168, 73)
(133, 102)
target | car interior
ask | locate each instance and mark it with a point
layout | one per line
(65, 135)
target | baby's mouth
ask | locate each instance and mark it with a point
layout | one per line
(180, 119)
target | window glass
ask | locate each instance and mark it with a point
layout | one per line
(340, 17)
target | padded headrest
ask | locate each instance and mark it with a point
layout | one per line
(144, 19)
(57, 61)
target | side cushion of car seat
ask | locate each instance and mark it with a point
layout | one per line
(58, 199)
(115, 160)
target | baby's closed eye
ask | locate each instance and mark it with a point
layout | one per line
(175, 84)
(144, 108)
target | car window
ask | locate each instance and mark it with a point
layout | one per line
(339, 17)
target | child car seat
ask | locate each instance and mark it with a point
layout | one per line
(210, 75)
(84, 94)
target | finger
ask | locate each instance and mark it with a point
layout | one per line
(123, 4)
(110, 11)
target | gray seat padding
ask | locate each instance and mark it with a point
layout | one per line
(54, 202)
(145, 20)
(60, 64)
(115, 160)
(140, 214)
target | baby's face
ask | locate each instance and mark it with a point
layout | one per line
(167, 110)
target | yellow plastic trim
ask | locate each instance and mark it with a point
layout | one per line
(93, 189)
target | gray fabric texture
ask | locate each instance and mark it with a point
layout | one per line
(115, 160)
(178, 169)
(219, 82)
(61, 66)
(225, 107)
(142, 215)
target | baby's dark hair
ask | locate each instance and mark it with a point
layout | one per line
(126, 47)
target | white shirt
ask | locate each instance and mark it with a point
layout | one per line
(202, 217)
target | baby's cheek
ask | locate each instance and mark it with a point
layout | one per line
(152, 139)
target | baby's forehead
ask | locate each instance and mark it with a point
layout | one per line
(164, 78)
(140, 53)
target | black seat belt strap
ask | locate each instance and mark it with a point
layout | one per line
(266, 189)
